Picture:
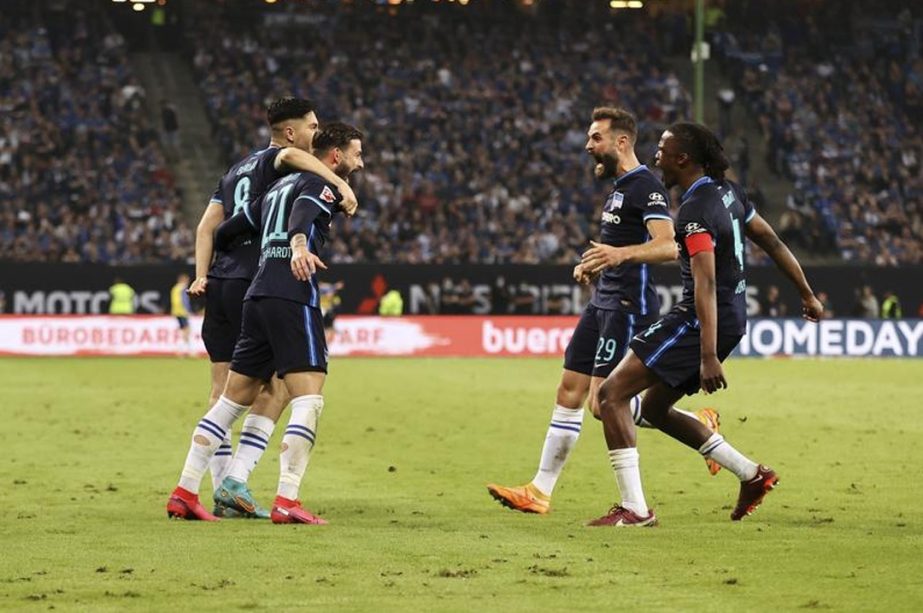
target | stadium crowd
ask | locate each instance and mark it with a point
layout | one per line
(475, 127)
(82, 175)
(837, 89)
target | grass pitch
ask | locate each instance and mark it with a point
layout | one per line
(91, 448)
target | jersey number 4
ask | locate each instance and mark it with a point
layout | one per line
(275, 227)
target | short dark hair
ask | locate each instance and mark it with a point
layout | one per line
(335, 134)
(284, 109)
(702, 147)
(619, 118)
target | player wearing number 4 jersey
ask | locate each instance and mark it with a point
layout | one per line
(683, 351)
(636, 230)
(223, 277)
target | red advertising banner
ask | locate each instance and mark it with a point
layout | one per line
(147, 335)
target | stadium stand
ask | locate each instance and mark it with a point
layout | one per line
(473, 157)
(82, 175)
(837, 89)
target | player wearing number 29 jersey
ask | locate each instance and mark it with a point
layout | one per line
(683, 351)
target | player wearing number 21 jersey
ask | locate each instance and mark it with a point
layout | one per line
(223, 276)
(282, 330)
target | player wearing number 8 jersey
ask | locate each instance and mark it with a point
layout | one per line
(224, 275)
(282, 330)
(683, 351)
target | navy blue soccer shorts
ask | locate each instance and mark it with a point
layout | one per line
(672, 348)
(280, 336)
(224, 303)
(601, 339)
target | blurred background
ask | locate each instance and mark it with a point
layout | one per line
(119, 117)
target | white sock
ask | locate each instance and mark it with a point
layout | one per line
(208, 434)
(220, 463)
(563, 432)
(719, 450)
(628, 477)
(254, 438)
(635, 405)
(298, 443)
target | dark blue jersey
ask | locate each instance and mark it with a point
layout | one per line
(242, 184)
(720, 210)
(637, 197)
(301, 202)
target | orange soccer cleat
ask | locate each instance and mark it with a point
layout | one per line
(712, 420)
(525, 498)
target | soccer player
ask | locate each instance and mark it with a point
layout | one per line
(223, 277)
(180, 307)
(281, 330)
(683, 351)
(636, 230)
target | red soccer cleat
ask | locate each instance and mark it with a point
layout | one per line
(753, 491)
(285, 511)
(183, 504)
(620, 517)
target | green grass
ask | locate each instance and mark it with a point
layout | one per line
(91, 448)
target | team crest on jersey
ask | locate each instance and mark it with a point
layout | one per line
(694, 228)
(327, 195)
(615, 201)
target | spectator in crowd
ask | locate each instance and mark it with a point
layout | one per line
(121, 298)
(500, 298)
(828, 307)
(772, 305)
(169, 120)
(392, 305)
(466, 299)
(867, 303)
(891, 307)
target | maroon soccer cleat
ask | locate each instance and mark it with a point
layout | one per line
(620, 517)
(753, 491)
(183, 504)
(285, 511)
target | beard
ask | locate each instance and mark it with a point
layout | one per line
(606, 166)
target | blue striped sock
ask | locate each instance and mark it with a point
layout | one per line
(211, 430)
(254, 438)
(298, 443)
(220, 463)
(562, 435)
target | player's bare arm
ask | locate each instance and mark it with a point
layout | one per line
(205, 246)
(760, 232)
(304, 263)
(661, 248)
(294, 158)
(706, 309)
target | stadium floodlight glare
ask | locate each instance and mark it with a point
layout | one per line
(138, 6)
(626, 4)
